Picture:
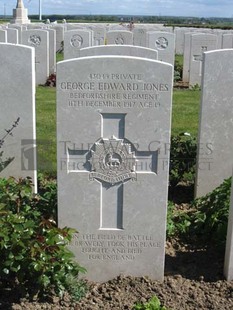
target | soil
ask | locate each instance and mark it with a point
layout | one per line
(193, 280)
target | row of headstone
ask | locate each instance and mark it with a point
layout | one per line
(75, 40)
(44, 42)
(110, 109)
(125, 103)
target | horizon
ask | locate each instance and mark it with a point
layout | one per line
(160, 8)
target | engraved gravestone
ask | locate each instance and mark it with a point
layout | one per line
(199, 44)
(113, 126)
(74, 40)
(164, 43)
(39, 39)
(119, 37)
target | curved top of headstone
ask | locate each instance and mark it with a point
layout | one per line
(20, 4)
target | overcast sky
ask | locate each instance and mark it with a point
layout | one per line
(198, 8)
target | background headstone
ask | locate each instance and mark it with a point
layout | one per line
(214, 162)
(3, 36)
(17, 88)
(113, 122)
(75, 40)
(12, 36)
(199, 44)
(164, 43)
(127, 50)
(39, 39)
(119, 37)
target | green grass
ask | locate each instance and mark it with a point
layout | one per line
(46, 128)
(184, 119)
(185, 111)
(59, 56)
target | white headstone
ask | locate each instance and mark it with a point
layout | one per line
(74, 40)
(59, 36)
(19, 28)
(228, 264)
(113, 121)
(164, 43)
(99, 34)
(52, 50)
(227, 40)
(139, 36)
(200, 43)
(124, 50)
(17, 106)
(214, 162)
(119, 37)
(3, 36)
(186, 58)
(12, 36)
(39, 39)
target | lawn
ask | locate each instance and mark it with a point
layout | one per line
(184, 119)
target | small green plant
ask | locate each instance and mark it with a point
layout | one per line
(182, 159)
(211, 217)
(196, 87)
(152, 304)
(34, 259)
(178, 222)
(9, 132)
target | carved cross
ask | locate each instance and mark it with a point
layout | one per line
(112, 161)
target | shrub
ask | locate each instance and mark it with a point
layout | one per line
(34, 259)
(182, 159)
(211, 217)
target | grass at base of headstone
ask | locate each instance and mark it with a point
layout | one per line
(59, 56)
(46, 129)
(185, 111)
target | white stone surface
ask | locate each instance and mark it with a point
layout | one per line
(214, 162)
(111, 111)
(12, 36)
(199, 43)
(164, 43)
(119, 37)
(124, 50)
(59, 36)
(52, 50)
(3, 36)
(20, 14)
(227, 40)
(74, 40)
(186, 58)
(139, 36)
(228, 264)
(39, 39)
(19, 28)
(17, 88)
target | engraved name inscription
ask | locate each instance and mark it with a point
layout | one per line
(115, 91)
